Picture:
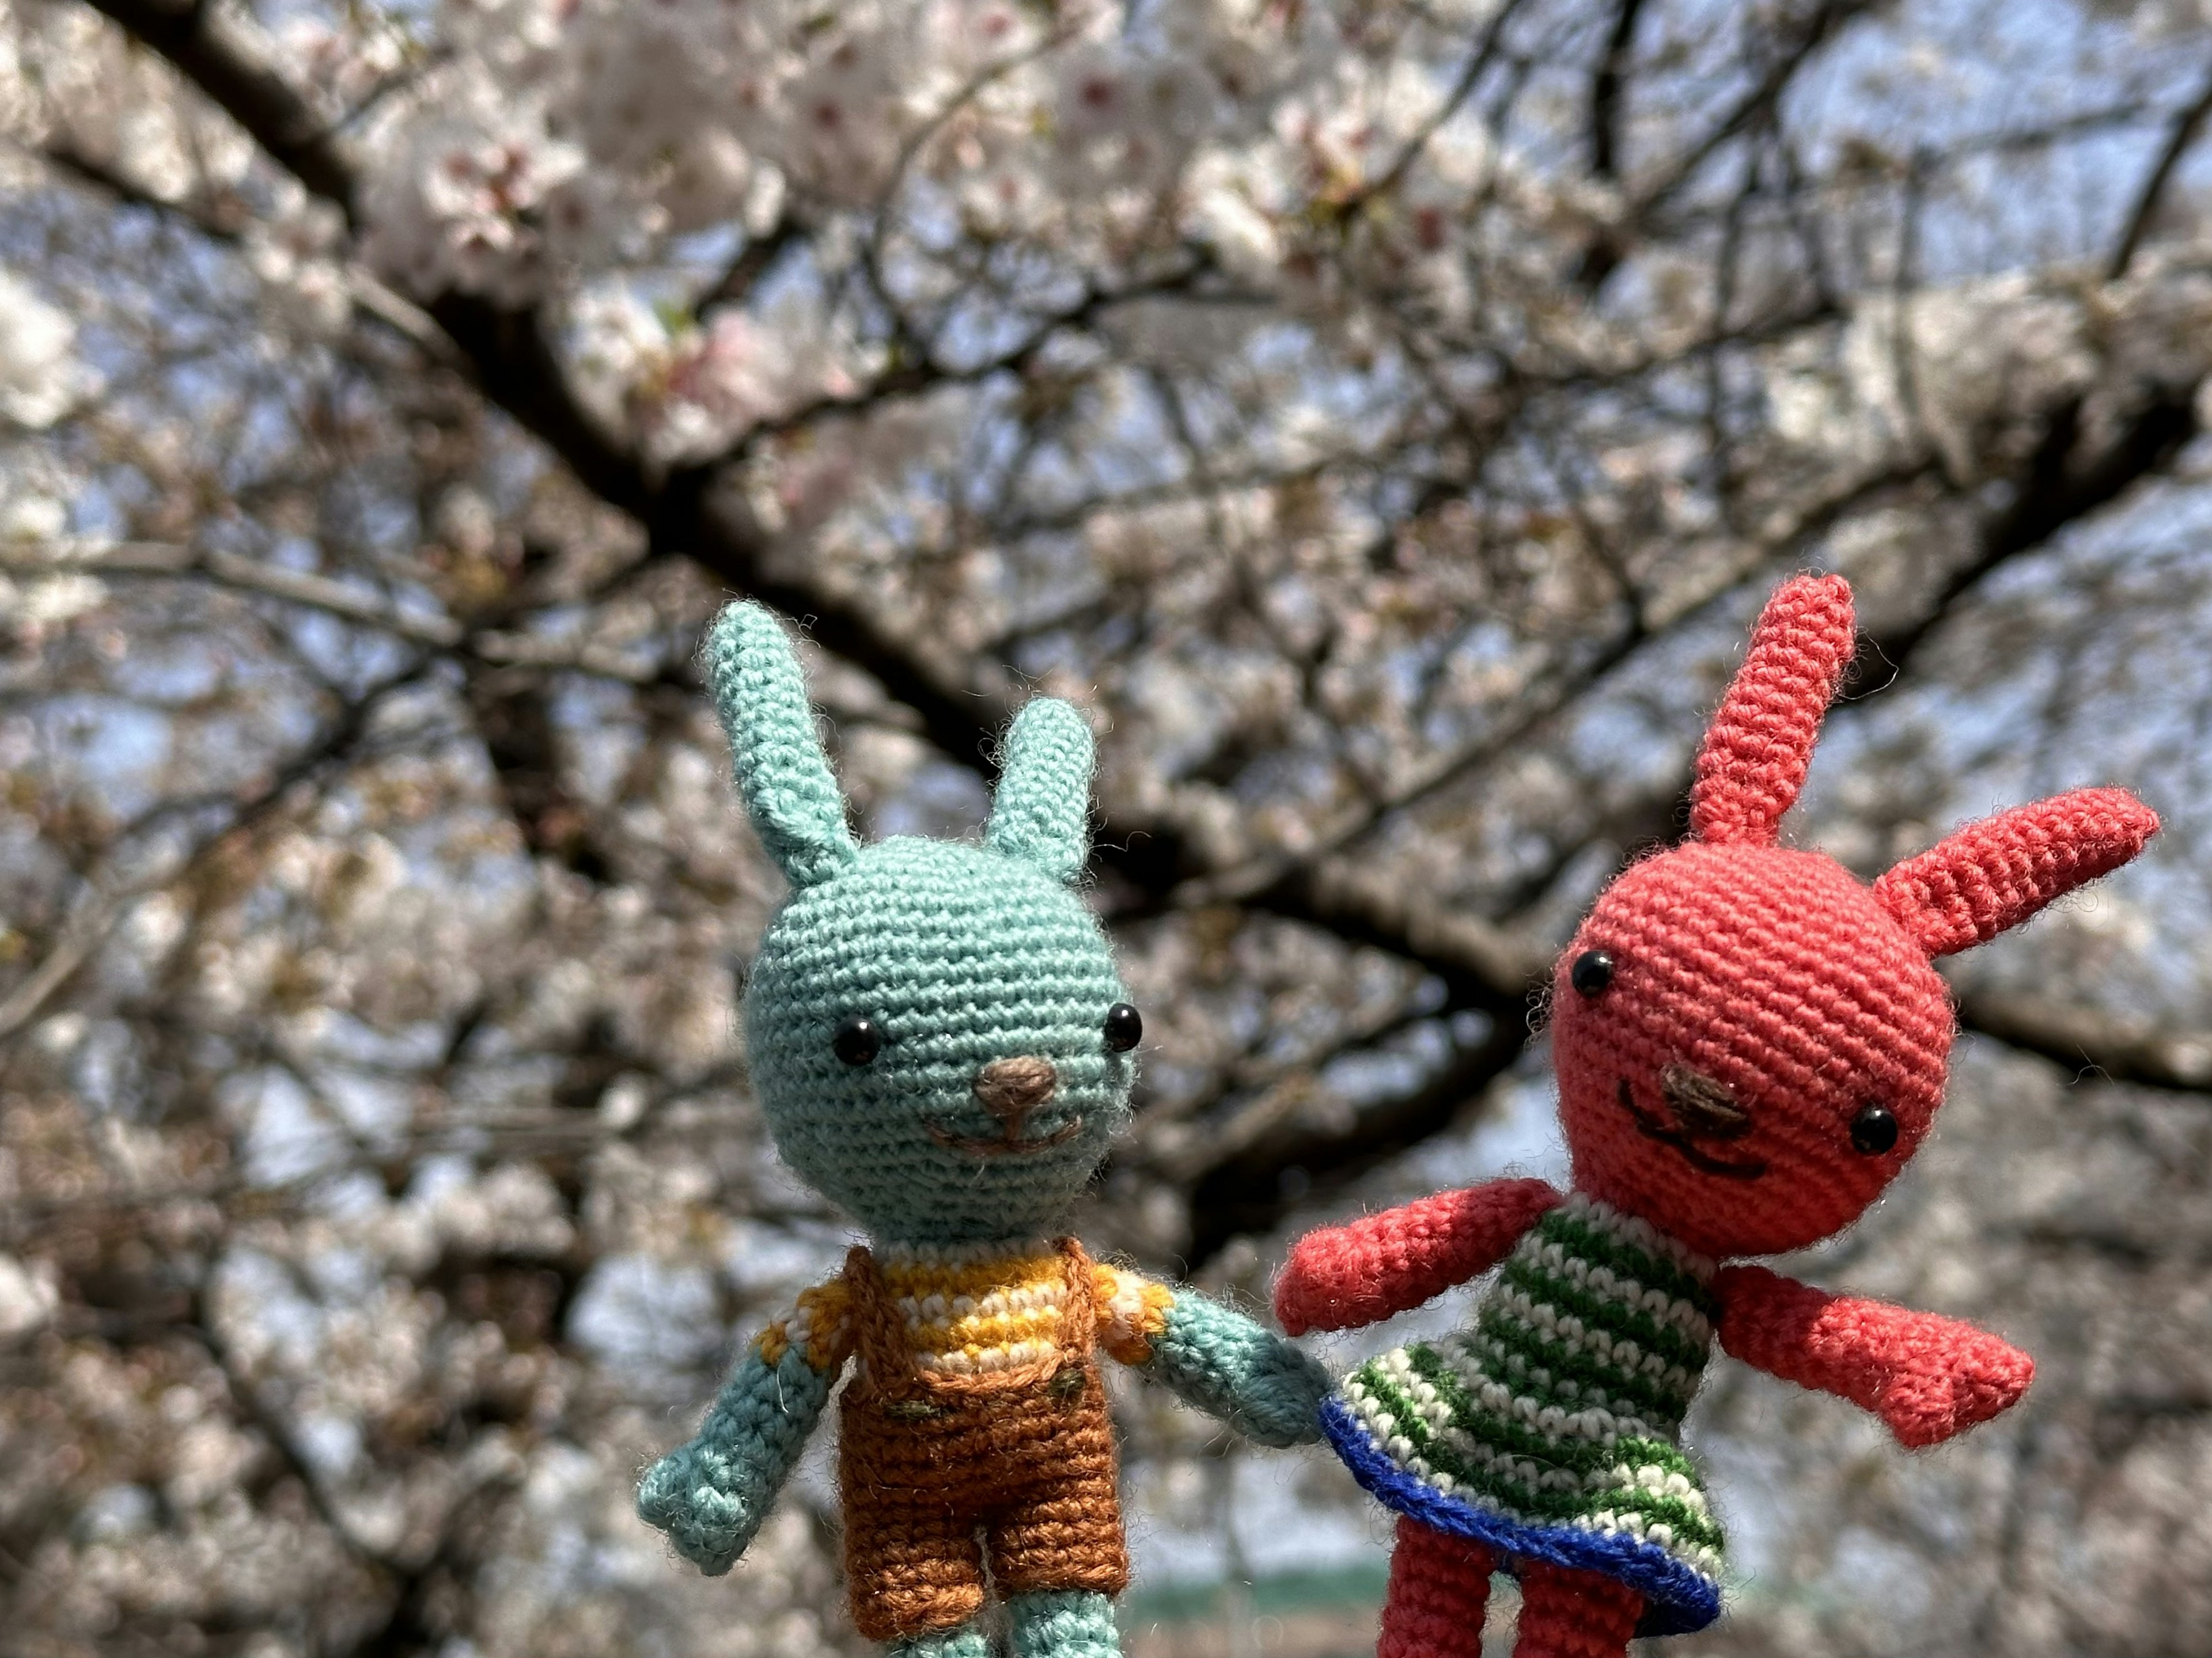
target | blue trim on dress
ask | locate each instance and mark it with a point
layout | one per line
(1677, 1598)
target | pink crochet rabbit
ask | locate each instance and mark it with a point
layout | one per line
(1751, 1043)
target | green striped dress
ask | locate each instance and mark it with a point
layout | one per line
(1552, 1429)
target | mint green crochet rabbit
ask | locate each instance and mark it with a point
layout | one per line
(942, 1047)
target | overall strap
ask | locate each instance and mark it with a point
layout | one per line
(1079, 1321)
(878, 1325)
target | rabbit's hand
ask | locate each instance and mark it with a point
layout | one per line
(1944, 1376)
(1366, 1270)
(711, 1494)
(1279, 1397)
(710, 1507)
(1927, 1376)
(1233, 1368)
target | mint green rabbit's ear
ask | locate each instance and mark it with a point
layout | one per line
(1042, 812)
(782, 774)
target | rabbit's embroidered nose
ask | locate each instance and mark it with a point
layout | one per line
(1707, 1109)
(1011, 1089)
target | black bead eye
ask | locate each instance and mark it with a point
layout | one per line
(1124, 1028)
(1591, 972)
(1873, 1131)
(857, 1040)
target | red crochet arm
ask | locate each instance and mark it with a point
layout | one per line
(1342, 1276)
(1927, 1376)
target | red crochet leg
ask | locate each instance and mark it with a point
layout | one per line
(1574, 1615)
(1439, 1586)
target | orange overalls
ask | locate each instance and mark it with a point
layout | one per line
(942, 1475)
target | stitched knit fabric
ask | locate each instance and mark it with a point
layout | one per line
(1994, 874)
(1572, 1614)
(789, 792)
(1751, 1043)
(935, 1038)
(1001, 1472)
(971, 1641)
(1760, 745)
(1065, 1626)
(1773, 974)
(958, 956)
(977, 1310)
(1929, 1377)
(1439, 1590)
(1551, 1429)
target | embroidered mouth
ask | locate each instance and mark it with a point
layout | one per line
(1690, 1152)
(1004, 1145)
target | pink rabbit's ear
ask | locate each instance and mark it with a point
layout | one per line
(1761, 739)
(1973, 883)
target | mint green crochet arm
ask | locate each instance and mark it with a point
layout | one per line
(711, 1494)
(1232, 1368)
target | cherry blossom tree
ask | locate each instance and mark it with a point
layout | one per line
(1383, 415)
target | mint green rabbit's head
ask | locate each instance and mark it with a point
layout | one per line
(936, 1030)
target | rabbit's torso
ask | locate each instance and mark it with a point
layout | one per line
(977, 1406)
(1551, 1427)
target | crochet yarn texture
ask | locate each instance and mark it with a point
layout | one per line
(1019, 1455)
(1751, 1043)
(940, 1045)
(1553, 1427)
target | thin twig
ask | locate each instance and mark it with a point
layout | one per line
(2186, 127)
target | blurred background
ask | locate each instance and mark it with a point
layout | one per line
(1385, 418)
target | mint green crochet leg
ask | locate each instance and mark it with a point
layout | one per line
(968, 1641)
(1233, 1368)
(1078, 1623)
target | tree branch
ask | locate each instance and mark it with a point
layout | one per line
(1282, 884)
(2118, 1049)
(1818, 29)
(211, 47)
(218, 221)
(166, 559)
(2055, 489)
(1608, 90)
(1257, 1187)
(735, 283)
(1485, 53)
(107, 894)
(2186, 127)
(1612, 244)
(517, 369)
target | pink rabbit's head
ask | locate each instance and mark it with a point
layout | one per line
(1751, 1042)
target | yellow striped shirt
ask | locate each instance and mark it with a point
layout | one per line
(972, 1311)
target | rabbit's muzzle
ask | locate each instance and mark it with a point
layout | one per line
(1702, 1109)
(1009, 1089)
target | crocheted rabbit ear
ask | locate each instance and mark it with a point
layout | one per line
(1042, 812)
(782, 774)
(1972, 885)
(1761, 738)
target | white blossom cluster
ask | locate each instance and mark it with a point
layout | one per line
(1384, 436)
(40, 377)
(550, 149)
